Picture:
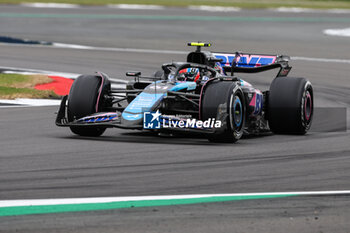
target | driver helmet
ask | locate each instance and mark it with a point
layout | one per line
(189, 74)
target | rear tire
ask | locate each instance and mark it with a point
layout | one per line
(290, 105)
(82, 101)
(224, 101)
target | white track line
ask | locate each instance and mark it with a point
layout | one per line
(17, 70)
(36, 71)
(294, 10)
(156, 51)
(309, 10)
(136, 7)
(337, 32)
(49, 5)
(70, 46)
(215, 8)
(31, 102)
(32, 71)
(37, 202)
(83, 47)
(321, 59)
(18, 106)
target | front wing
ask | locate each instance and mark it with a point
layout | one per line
(113, 119)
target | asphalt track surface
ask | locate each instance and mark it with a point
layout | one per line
(39, 160)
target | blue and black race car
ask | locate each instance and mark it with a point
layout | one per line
(202, 95)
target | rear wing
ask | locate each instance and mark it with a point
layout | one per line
(253, 63)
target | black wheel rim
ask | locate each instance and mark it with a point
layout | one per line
(308, 106)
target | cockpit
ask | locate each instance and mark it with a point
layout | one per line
(187, 72)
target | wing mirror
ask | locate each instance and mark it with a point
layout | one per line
(135, 74)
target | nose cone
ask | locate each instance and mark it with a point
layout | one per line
(132, 116)
(144, 102)
(132, 119)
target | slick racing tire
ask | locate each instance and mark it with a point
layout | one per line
(82, 101)
(224, 101)
(290, 105)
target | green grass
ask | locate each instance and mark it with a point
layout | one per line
(12, 79)
(22, 86)
(12, 93)
(322, 4)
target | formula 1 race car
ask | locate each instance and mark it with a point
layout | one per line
(202, 95)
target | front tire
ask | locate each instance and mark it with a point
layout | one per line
(224, 101)
(290, 105)
(85, 98)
